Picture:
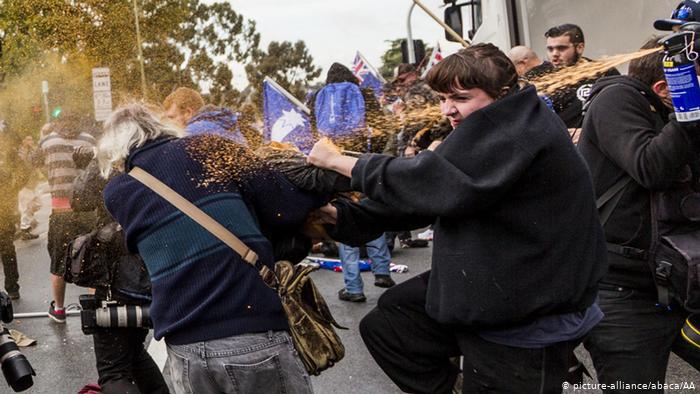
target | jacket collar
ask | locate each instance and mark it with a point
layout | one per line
(147, 146)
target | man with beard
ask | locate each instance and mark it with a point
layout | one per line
(565, 46)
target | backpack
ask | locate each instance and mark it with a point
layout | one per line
(339, 110)
(99, 259)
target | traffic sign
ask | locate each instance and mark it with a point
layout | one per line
(102, 93)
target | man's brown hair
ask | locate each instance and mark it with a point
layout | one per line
(481, 66)
(648, 69)
(184, 98)
(574, 33)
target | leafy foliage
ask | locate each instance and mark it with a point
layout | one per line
(184, 43)
(392, 58)
(289, 64)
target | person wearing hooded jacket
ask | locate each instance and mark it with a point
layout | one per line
(518, 249)
(377, 248)
(186, 108)
(338, 73)
(627, 133)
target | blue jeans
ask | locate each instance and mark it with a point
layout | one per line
(377, 251)
(247, 363)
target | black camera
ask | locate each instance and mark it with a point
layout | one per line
(16, 368)
(98, 313)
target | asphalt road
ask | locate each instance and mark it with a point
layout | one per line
(64, 360)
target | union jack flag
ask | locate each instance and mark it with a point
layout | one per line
(366, 74)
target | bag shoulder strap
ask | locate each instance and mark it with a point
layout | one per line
(196, 214)
(614, 193)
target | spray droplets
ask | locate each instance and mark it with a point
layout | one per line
(223, 160)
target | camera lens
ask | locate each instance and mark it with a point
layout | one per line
(18, 372)
(15, 367)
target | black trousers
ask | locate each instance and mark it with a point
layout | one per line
(414, 351)
(123, 365)
(8, 253)
(635, 338)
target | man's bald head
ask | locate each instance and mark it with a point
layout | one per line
(524, 59)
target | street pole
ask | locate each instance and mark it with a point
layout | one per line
(140, 53)
(409, 37)
(45, 94)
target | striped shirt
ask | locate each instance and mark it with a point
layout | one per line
(58, 158)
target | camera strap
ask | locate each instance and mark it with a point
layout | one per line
(196, 214)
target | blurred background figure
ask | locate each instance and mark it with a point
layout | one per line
(524, 58)
(56, 149)
(29, 196)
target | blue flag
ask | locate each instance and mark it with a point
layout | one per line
(285, 118)
(368, 75)
(370, 81)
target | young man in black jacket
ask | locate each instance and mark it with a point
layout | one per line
(518, 249)
(627, 135)
(565, 46)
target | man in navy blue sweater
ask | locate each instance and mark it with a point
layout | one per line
(212, 307)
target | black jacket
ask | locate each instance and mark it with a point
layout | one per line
(516, 232)
(568, 102)
(626, 132)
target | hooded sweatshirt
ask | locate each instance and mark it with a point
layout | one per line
(219, 121)
(626, 133)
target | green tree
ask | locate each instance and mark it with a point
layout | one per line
(289, 64)
(185, 42)
(392, 58)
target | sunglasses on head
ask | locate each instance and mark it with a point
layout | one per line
(683, 13)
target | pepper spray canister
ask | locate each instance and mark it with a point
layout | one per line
(682, 79)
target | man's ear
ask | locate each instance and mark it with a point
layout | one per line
(660, 88)
(189, 113)
(580, 47)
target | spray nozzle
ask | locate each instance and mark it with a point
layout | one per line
(676, 42)
(683, 42)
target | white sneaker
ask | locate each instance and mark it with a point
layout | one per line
(426, 235)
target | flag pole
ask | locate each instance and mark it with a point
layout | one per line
(288, 95)
(441, 23)
(371, 67)
(432, 55)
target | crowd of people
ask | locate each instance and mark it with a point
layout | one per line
(545, 229)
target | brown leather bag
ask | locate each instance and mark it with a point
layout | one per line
(310, 321)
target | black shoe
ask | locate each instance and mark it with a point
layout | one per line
(414, 243)
(352, 297)
(383, 281)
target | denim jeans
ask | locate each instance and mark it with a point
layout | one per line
(247, 363)
(377, 251)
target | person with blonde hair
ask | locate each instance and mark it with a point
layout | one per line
(186, 108)
(209, 304)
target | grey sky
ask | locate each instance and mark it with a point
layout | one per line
(334, 30)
